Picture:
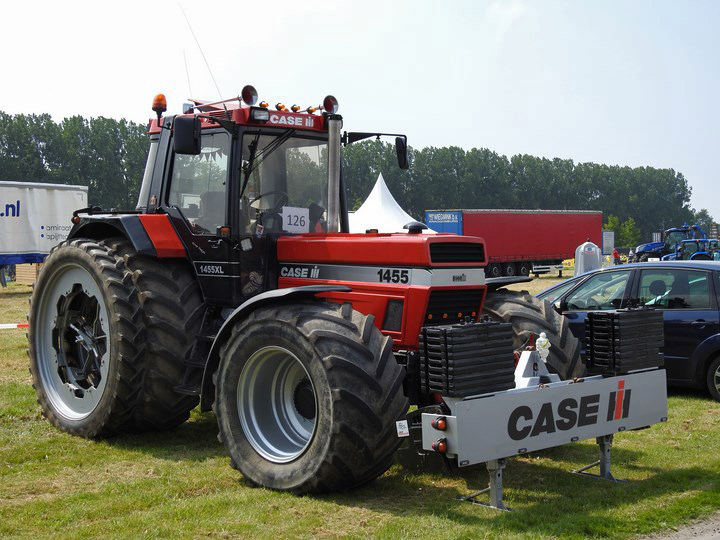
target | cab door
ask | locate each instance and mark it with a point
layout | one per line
(197, 202)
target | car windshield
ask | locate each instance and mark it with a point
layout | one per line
(602, 291)
(286, 189)
(556, 292)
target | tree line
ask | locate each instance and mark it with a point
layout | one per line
(109, 155)
(104, 154)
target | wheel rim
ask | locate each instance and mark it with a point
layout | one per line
(509, 270)
(716, 379)
(71, 340)
(277, 404)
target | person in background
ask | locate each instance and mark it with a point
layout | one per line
(631, 255)
(616, 256)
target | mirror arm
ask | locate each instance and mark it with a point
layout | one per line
(228, 125)
(354, 136)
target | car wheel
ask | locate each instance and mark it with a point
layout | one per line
(713, 379)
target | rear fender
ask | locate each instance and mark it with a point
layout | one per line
(104, 226)
(150, 234)
(702, 356)
(267, 298)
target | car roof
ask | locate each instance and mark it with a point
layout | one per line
(701, 265)
(693, 265)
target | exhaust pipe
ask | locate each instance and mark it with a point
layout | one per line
(334, 139)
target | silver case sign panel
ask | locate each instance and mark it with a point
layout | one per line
(528, 419)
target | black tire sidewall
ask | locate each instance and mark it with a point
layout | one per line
(710, 375)
(256, 468)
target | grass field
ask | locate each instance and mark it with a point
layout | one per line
(179, 484)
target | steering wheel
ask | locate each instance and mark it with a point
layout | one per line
(283, 199)
(270, 217)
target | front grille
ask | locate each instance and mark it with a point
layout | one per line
(449, 307)
(457, 252)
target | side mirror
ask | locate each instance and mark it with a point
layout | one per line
(402, 152)
(558, 306)
(186, 135)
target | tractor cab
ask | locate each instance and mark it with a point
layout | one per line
(690, 250)
(235, 176)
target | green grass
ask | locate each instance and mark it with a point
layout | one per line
(179, 484)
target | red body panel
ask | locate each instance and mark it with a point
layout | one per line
(399, 250)
(369, 249)
(162, 235)
(532, 236)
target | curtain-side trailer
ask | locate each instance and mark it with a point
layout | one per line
(521, 242)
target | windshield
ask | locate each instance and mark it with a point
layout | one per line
(674, 238)
(286, 189)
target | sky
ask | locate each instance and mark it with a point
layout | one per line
(632, 83)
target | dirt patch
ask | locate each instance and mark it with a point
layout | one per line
(702, 530)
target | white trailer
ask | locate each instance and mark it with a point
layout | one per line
(35, 217)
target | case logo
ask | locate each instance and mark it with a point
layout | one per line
(568, 413)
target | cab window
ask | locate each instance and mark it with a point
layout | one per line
(674, 289)
(603, 291)
(199, 184)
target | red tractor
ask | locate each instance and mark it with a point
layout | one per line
(236, 285)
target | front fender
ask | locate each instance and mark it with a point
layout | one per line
(263, 299)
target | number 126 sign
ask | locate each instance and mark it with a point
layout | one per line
(295, 219)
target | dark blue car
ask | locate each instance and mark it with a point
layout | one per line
(688, 293)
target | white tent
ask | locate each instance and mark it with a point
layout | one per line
(381, 211)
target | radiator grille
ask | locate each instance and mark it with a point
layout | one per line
(449, 307)
(457, 252)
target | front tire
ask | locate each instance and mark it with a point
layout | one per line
(308, 396)
(86, 340)
(529, 316)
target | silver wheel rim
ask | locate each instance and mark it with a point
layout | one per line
(71, 342)
(277, 404)
(716, 379)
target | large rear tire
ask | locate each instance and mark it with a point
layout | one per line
(172, 307)
(308, 396)
(529, 316)
(86, 340)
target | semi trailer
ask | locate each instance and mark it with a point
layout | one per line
(522, 242)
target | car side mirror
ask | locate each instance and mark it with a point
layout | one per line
(402, 152)
(558, 306)
(186, 135)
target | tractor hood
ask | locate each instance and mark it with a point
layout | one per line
(650, 247)
(410, 250)
(405, 281)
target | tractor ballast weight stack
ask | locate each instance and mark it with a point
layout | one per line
(235, 284)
